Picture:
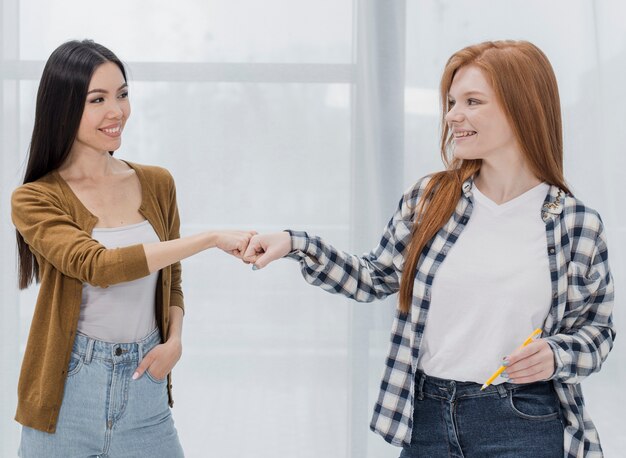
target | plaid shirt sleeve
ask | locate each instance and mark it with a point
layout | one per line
(587, 332)
(362, 278)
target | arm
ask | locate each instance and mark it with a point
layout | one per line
(162, 358)
(51, 232)
(362, 278)
(587, 331)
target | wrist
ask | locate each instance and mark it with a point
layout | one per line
(212, 239)
(174, 341)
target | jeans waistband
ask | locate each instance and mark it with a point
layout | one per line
(452, 389)
(89, 348)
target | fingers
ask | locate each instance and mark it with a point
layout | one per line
(254, 249)
(266, 248)
(144, 365)
(264, 259)
(159, 361)
(532, 363)
(522, 355)
(235, 242)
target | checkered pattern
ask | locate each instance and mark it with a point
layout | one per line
(579, 325)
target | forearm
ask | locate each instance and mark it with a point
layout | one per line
(362, 278)
(579, 354)
(162, 254)
(175, 329)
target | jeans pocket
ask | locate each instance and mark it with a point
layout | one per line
(154, 379)
(76, 363)
(536, 401)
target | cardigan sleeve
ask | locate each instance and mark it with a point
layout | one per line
(176, 292)
(51, 233)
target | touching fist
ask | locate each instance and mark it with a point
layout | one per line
(266, 248)
(234, 242)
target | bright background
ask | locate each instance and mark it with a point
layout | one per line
(313, 116)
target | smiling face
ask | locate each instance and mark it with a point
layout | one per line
(106, 110)
(479, 127)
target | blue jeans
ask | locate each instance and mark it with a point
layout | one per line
(457, 420)
(105, 413)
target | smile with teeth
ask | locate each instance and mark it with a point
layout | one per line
(112, 131)
(467, 133)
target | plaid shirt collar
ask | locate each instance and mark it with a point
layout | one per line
(552, 206)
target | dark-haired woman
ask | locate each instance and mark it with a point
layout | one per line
(101, 235)
(481, 255)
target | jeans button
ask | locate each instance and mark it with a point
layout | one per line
(118, 351)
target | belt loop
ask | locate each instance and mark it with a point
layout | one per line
(140, 351)
(89, 350)
(502, 391)
(452, 388)
(420, 386)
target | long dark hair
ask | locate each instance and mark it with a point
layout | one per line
(60, 104)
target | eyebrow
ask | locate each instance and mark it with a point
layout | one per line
(467, 94)
(104, 91)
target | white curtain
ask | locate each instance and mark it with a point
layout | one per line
(312, 116)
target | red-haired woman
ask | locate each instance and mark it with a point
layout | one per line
(481, 254)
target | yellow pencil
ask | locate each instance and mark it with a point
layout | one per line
(490, 380)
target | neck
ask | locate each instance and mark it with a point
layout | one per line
(88, 164)
(505, 181)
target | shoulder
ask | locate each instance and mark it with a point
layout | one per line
(411, 197)
(46, 187)
(414, 193)
(585, 231)
(580, 218)
(156, 180)
(152, 173)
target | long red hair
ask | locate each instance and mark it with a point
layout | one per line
(526, 88)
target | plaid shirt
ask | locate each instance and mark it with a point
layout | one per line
(579, 327)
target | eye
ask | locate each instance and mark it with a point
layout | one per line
(98, 100)
(451, 103)
(123, 95)
(473, 102)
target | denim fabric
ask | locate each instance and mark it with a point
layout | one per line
(105, 413)
(457, 420)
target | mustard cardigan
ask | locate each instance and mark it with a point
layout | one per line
(57, 228)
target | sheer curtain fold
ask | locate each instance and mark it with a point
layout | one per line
(377, 171)
(9, 158)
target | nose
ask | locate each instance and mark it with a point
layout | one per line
(455, 114)
(115, 109)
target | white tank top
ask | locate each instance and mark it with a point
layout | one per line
(492, 290)
(124, 312)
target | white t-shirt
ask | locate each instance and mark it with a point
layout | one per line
(123, 312)
(491, 291)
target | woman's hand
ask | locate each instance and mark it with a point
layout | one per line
(234, 242)
(266, 248)
(532, 363)
(160, 360)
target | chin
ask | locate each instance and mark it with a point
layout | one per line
(113, 146)
(466, 155)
